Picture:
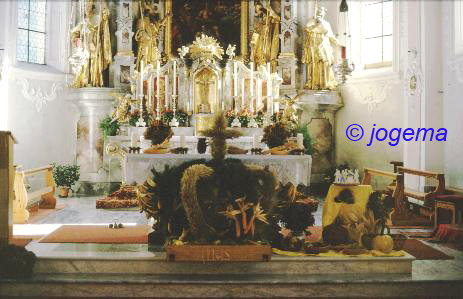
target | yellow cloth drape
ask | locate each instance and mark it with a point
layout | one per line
(331, 208)
(332, 253)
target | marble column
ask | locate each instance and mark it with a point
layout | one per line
(94, 104)
(318, 112)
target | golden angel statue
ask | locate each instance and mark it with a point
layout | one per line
(147, 38)
(122, 111)
(319, 53)
(92, 36)
(265, 40)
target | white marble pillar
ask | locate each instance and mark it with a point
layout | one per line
(94, 104)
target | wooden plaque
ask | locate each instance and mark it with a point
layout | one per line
(219, 253)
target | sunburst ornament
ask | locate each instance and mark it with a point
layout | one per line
(206, 47)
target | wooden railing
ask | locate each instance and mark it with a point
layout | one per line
(22, 197)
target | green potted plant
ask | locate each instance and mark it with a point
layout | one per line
(109, 127)
(65, 176)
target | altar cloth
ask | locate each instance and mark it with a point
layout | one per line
(294, 169)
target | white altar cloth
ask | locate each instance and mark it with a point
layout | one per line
(294, 169)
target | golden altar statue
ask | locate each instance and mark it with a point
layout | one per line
(265, 39)
(97, 41)
(319, 54)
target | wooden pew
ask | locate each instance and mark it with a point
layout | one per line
(426, 199)
(396, 186)
(23, 200)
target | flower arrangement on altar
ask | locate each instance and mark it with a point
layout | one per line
(181, 116)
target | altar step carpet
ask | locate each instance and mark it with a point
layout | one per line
(102, 234)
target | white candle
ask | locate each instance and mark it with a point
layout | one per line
(133, 140)
(243, 100)
(269, 97)
(166, 93)
(251, 83)
(141, 78)
(182, 140)
(158, 70)
(150, 86)
(235, 80)
(175, 77)
(259, 93)
(300, 140)
(277, 107)
(268, 68)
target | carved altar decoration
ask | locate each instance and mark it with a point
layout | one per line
(92, 52)
(319, 53)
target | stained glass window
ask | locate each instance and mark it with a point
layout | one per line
(31, 31)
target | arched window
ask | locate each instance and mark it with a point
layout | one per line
(31, 31)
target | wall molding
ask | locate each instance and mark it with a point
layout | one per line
(37, 95)
(371, 93)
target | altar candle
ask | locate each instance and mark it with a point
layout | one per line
(141, 79)
(343, 52)
(243, 100)
(182, 140)
(269, 97)
(251, 85)
(158, 70)
(175, 77)
(150, 86)
(235, 80)
(268, 68)
(258, 94)
(277, 107)
(166, 93)
(133, 140)
(300, 140)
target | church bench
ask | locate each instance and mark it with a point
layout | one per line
(424, 201)
(25, 201)
(396, 187)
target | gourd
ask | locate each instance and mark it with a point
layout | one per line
(383, 243)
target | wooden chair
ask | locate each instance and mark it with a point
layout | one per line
(25, 200)
(396, 186)
(425, 204)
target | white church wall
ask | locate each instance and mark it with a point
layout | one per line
(452, 32)
(371, 97)
(38, 114)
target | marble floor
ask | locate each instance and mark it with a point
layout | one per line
(80, 269)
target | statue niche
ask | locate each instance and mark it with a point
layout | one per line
(205, 91)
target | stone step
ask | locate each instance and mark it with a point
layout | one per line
(138, 259)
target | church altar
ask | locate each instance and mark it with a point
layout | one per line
(294, 169)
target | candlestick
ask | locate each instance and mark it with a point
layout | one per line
(175, 77)
(259, 94)
(269, 97)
